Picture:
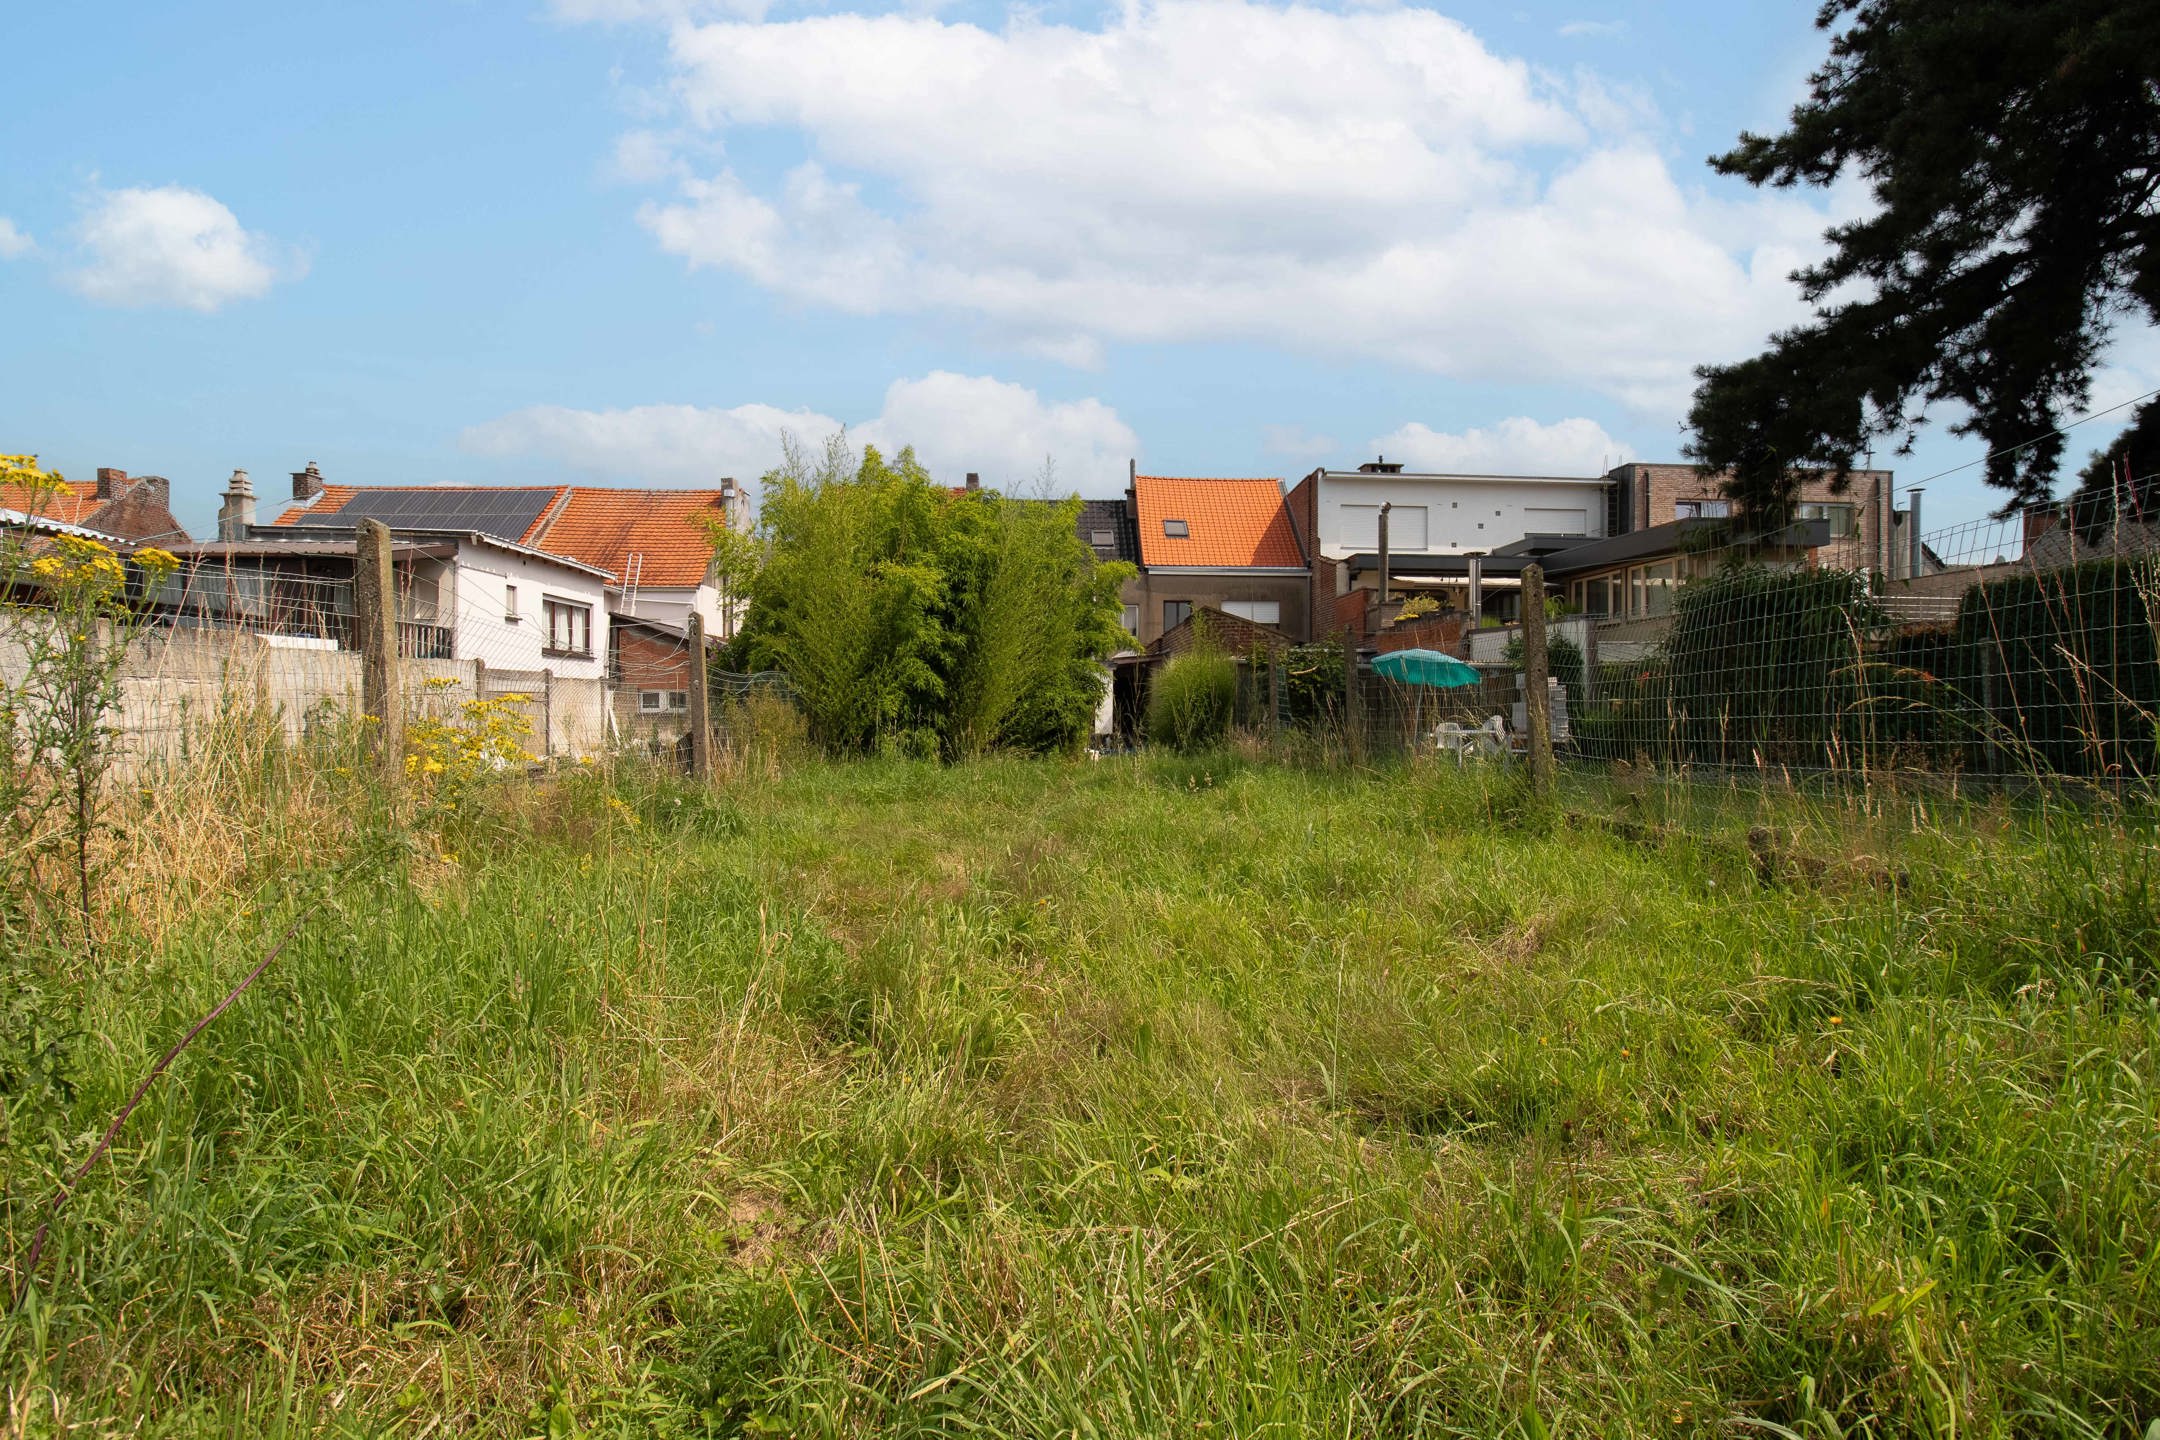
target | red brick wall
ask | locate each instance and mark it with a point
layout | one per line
(651, 662)
(1440, 632)
(1349, 610)
(1230, 634)
(1657, 489)
(1303, 502)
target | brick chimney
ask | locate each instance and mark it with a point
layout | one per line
(236, 511)
(110, 483)
(2039, 520)
(974, 482)
(308, 483)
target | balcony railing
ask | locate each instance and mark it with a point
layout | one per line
(417, 641)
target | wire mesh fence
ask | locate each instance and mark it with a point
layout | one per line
(570, 669)
(2025, 648)
(2012, 648)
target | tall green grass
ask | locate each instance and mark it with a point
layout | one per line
(1178, 1097)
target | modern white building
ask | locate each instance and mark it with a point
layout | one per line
(1442, 514)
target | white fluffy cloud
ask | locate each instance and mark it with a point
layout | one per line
(1295, 442)
(1517, 446)
(172, 246)
(675, 445)
(1180, 174)
(14, 243)
(956, 423)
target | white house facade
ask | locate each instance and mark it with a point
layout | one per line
(1440, 514)
(518, 609)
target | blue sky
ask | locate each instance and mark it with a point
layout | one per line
(635, 240)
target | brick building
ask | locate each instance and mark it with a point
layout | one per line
(137, 508)
(1225, 544)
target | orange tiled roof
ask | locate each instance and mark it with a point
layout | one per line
(1230, 524)
(326, 503)
(600, 527)
(68, 502)
(607, 527)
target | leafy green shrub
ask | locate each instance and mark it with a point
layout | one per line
(1313, 683)
(1563, 660)
(900, 610)
(1761, 667)
(1190, 702)
(2065, 665)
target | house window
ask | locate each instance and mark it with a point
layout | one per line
(1654, 587)
(653, 702)
(510, 610)
(1104, 539)
(569, 628)
(1132, 619)
(1175, 530)
(1702, 509)
(1175, 612)
(1260, 612)
(1842, 518)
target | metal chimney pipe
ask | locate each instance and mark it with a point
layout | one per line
(1477, 587)
(1389, 505)
(1912, 526)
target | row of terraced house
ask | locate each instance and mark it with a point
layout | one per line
(585, 583)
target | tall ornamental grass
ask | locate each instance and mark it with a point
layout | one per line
(1191, 700)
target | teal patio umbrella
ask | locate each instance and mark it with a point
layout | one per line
(1426, 669)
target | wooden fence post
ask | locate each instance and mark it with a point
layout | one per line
(1537, 717)
(700, 703)
(375, 618)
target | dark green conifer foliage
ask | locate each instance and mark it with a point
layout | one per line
(2013, 152)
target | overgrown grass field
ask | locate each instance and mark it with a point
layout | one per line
(1138, 1098)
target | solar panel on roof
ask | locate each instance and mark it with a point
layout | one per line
(505, 514)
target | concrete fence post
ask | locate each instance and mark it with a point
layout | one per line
(700, 702)
(1536, 667)
(547, 712)
(1353, 701)
(375, 617)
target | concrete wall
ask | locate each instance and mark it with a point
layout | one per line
(176, 681)
(1489, 646)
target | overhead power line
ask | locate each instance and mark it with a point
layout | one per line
(2028, 444)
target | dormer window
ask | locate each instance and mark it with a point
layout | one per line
(1175, 530)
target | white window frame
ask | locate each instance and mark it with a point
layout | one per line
(566, 619)
(1259, 612)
